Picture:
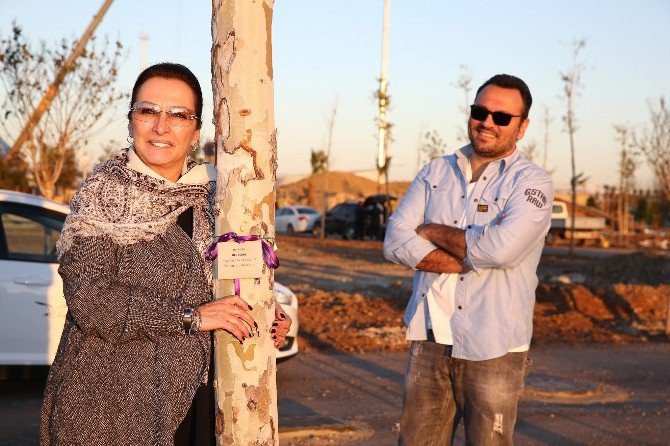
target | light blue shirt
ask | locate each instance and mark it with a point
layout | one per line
(506, 226)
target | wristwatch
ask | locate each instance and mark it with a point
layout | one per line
(190, 320)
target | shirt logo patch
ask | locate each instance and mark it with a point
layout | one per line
(536, 197)
(482, 208)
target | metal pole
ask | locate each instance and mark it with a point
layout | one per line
(143, 56)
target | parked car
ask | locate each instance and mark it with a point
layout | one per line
(367, 219)
(341, 219)
(586, 228)
(32, 306)
(293, 219)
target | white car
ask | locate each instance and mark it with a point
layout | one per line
(32, 306)
(294, 219)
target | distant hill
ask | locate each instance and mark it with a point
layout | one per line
(342, 186)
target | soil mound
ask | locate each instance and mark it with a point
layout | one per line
(352, 299)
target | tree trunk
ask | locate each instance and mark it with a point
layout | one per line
(246, 158)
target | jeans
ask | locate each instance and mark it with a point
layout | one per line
(441, 390)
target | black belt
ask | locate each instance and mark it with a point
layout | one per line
(430, 337)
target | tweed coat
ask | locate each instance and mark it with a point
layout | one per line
(125, 373)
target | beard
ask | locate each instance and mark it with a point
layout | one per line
(499, 145)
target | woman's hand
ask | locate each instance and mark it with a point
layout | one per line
(280, 326)
(229, 313)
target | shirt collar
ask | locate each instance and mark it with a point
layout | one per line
(464, 153)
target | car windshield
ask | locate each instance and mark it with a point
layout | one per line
(307, 211)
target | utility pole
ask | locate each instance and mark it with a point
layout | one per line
(51, 92)
(144, 38)
(246, 164)
(383, 100)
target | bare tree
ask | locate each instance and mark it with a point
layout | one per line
(654, 143)
(546, 120)
(79, 108)
(529, 149)
(464, 83)
(13, 173)
(385, 127)
(627, 166)
(319, 161)
(330, 126)
(432, 146)
(572, 83)
(383, 100)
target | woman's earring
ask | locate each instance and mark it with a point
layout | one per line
(129, 139)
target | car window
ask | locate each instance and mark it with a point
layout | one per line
(336, 211)
(29, 232)
(307, 211)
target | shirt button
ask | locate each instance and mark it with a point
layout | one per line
(455, 222)
(423, 294)
(462, 196)
(462, 279)
(434, 186)
(460, 307)
(469, 226)
(476, 200)
(496, 199)
(484, 178)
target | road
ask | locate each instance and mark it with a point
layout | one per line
(363, 393)
(366, 389)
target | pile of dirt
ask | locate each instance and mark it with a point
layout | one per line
(342, 186)
(352, 299)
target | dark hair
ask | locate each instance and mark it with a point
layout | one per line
(169, 70)
(511, 82)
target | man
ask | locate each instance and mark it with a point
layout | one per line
(473, 225)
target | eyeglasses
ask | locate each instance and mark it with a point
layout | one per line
(479, 113)
(148, 112)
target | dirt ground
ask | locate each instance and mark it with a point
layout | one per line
(352, 299)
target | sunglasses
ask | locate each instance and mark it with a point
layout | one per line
(479, 113)
(149, 112)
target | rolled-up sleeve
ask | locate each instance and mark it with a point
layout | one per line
(523, 223)
(402, 244)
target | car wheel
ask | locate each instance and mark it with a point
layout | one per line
(349, 232)
(289, 229)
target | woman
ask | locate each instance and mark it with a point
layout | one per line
(134, 362)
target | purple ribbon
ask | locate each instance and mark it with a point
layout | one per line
(269, 255)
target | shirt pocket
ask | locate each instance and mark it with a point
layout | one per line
(439, 206)
(489, 209)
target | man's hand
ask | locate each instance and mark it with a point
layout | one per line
(441, 262)
(446, 237)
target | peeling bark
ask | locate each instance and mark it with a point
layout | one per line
(242, 83)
